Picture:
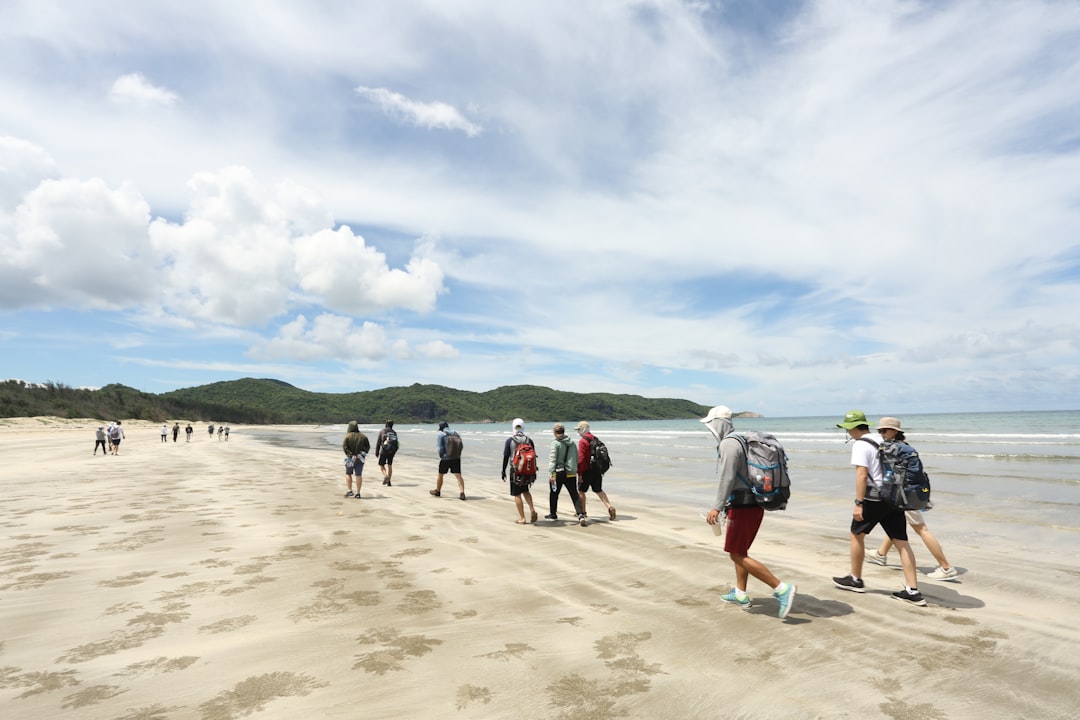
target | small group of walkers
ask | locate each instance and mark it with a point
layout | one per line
(112, 435)
(568, 466)
(736, 507)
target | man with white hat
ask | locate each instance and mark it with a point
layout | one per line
(744, 515)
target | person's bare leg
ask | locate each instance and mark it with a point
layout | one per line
(858, 552)
(932, 545)
(907, 559)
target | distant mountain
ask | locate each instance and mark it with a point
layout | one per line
(267, 401)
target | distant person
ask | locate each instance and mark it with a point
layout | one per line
(520, 482)
(220, 432)
(889, 428)
(116, 434)
(743, 514)
(589, 479)
(100, 440)
(211, 431)
(226, 433)
(175, 431)
(164, 432)
(386, 446)
(871, 511)
(562, 472)
(188, 431)
(356, 447)
(449, 445)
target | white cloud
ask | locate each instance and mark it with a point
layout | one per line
(327, 337)
(438, 350)
(438, 115)
(135, 88)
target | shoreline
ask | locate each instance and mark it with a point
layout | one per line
(225, 579)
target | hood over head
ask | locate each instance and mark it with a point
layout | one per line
(718, 421)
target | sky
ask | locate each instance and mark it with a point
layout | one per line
(794, 208)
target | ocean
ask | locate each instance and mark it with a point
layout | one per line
(1009, 479)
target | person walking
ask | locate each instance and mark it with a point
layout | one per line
(356, 447)
(175, 431)
(890, 429)
(587, 477)
(386, 446)
(100, 440)
(164, 432)
(562, 472)
(743, 515)
(449, 445)
(188, 432)
(520, 482)
(116, 434)
(871, 511)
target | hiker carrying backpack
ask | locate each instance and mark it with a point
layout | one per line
(523, 459)
(454, 445)
(905, 484)
(765, 478)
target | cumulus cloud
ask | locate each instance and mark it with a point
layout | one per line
(134, 88)
(77, 244)
(328, 336)
(23, 166)
(438, 115)
(438, 350)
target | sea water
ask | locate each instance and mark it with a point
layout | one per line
(1012, 479)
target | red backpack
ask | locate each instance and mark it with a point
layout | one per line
(524, 459)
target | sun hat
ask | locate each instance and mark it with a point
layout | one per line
(518, 423)
(720, 411)
(853, 419)
(887, 423)
(443, 425)
(582, 427)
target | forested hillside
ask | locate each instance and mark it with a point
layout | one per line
(265, 401)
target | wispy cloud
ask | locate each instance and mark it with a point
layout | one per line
(135, 88)
(437, 115)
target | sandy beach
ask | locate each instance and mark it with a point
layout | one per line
(221, 580)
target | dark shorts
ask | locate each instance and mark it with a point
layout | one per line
(892, 521)
(386, 458)
(450, 465)
(591, 481)
(742, 528)
(116, 441)
(521, 485)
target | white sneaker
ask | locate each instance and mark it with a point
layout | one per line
(877, 558)
(942, 574)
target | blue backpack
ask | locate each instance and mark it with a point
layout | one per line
(905, 484)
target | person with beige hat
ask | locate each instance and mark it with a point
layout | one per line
(870, 511)
(890, 429)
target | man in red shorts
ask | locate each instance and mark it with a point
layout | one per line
(735, 500)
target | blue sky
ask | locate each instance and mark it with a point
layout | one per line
(794, 208)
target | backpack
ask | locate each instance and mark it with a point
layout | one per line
(599, 459)
(453, 445)
(905, 484)
(523, 460)
(767, 476)
(390, 442)
(114, 433)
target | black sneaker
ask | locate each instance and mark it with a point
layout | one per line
(552, 516)
(462, 496)
(349, 494)
(915, 598)
(435, 493)
(849, 583)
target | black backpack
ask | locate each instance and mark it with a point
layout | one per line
(390, 441)
(599, 459)
(905, 484)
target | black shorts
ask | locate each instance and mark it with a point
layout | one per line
(386, 458)
(520, 485)
(590, 480)
(876, 512)
(450, 465)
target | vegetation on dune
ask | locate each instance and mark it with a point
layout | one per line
(265, 401)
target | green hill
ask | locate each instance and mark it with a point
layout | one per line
(265, 401)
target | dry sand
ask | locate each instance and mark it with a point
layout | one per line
(223, 580)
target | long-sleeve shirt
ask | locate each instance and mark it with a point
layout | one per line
(732, 466)
(563, 456)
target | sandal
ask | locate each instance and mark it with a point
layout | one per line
(611, 513)
(435, 493)
(535, 517)
(521, 521)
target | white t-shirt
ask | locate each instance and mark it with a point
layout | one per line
(863, 454)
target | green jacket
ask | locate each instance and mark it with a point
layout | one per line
(355, 442)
